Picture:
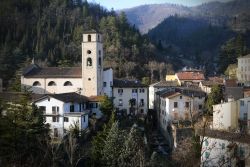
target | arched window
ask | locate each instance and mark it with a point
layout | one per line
(89, 51)
(89, 38)
(89, 61)
(36, 83)
(51, 83)
(99, 61)
(67, 83)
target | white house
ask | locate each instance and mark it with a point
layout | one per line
(63, 111)
(221, 148)
(225, 116)
(130, 96)
(243, 70)
(180, 104)
(156, 87)
(89, 79)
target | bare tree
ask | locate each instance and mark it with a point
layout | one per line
(152, 66)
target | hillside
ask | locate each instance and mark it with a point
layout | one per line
(234, 14)
(51, 33)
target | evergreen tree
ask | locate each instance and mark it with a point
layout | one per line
(214, 97)
(24, 137)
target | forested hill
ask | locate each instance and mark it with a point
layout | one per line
(51, 32)
(234, 14)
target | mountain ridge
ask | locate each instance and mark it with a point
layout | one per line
(234, 14)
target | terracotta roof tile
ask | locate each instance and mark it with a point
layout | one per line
(190, 75)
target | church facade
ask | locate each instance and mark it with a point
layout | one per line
(89, 80)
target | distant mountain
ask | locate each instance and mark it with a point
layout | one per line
(234, 14)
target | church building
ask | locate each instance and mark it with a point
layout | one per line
(87, 80)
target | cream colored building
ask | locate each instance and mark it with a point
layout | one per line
(126, 90)
(88, 79)
(225, 116)
(243, 70)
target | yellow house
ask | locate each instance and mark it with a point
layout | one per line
(171, 78)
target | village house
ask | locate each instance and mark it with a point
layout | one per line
(225, 116)
(226, 142)
(190, 77)
(131, 97)
(243, 70)
(180, 104)
(222, 148)
(90, 79)
(64, 111)
(153, 88)
(207, 85)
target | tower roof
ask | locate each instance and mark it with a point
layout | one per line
(92, 31)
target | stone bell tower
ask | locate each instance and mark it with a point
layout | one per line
(92, 63)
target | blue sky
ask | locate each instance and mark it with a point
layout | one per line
(121, 4)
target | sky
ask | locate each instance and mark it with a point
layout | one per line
(122, 4)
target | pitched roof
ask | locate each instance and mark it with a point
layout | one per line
(247, 56)
(218, 80)
(224, 135)
(165, 84)
(95, 98)
(65, 97)
(181, 90)
(54, 72)
(127, 83)
(231, 83)
(190, 75)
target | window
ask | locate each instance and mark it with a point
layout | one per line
(89, 61)
(98, 37)
(120, 102)
(245, 116)
(134, 90)
(36, 83)
(142, 111)
(223, 146)
(56, 132)
(51, 83)
(43, 109)
(241, 103)
(180, 97)
(67, 83)
(99, 61)
(55, 110)
(200, 107)
(175, 104)
(72, 108)
(88, 51)
(241, 152)
(100, 52)
(206, 143)
(104, 84)
(187, 104)
(55, 119)
(66, 119)
(207, 155)
(84, 118)
(89, 38)
(142, 102)
(141, 90)
(120, 91)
